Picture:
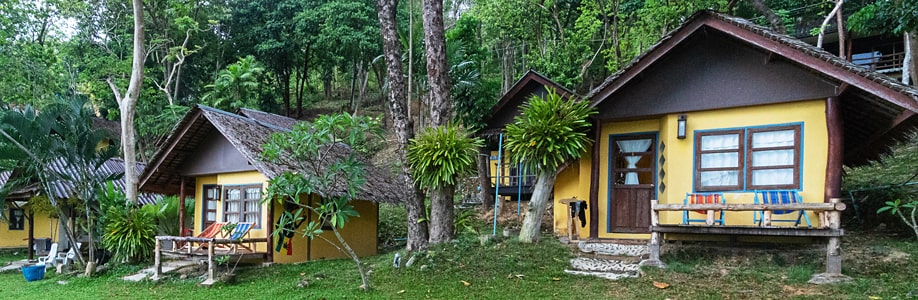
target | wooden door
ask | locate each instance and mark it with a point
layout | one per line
(632, 183)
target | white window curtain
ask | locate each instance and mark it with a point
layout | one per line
(633, 146)
(772, 158)
(720, 159)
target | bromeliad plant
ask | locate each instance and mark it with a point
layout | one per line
(438, 156)
(327, 174)
(549, 132)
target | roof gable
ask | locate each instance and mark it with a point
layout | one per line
(246, 136)
(507, 107)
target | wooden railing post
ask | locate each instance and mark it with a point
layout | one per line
(211, 268)
(833, 251)
(655, 238)
(157, 260)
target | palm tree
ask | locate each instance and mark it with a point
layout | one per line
(235, 86)
(549, 132)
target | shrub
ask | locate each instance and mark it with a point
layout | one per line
(891, 177)
(130, 233)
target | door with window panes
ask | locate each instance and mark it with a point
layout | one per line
(632, 171)
(211, 200)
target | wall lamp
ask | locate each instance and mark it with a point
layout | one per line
(680, 127)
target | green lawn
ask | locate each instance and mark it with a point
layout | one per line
(880, 265)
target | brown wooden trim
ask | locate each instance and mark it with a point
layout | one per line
(153, 166)
(836, 148)
(204, 199)
(270, 249)
(594, 180)
(810, 61)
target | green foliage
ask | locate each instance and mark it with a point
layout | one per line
(439, 155)
(129, 234)
(549, 132)
(166, 213)
(906, 211)
(236, 86)
(890, 177)
(894, 17)
(392, 226)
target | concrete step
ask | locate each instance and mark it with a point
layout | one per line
(604, 265)
(610, 276)
(167, 267)
(613, 249)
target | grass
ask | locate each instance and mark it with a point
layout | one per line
(508, 270)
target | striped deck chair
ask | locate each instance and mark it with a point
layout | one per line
(239, 232)
(209, 232)
(779, 197)
(703, 198)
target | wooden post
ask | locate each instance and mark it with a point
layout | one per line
(655, 238)
(834, 127)
(157, 260)
(270, 244)
(181, 207)
(833, 251)
(710, 218)
(211, 268)
(32, 247)
(594, 180)
(766, 218)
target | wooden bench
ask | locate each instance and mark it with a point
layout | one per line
(829, 215)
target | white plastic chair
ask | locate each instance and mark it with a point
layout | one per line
(53, 257)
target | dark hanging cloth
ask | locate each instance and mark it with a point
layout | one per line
(579, 208)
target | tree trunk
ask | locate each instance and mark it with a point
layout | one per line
(484, 178)
(414, 204)
(441, 214)
(776, 23)
(910, 61)
(542, 192)
(437, 69)
(128, 103)
(822, 28)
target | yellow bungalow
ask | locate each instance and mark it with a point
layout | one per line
(216, 157)
(23, 224)
(724, 105)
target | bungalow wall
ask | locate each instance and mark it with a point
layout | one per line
(18, 238)
(679, 162)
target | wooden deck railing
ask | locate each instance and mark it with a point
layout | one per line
(828, 214)
(211, 242)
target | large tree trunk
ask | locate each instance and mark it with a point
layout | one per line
(437, 69)
(544, 184)
(441, 214)
(441, 210)
(128, 103)
(414, 204)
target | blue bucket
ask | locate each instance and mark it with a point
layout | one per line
(33, 273)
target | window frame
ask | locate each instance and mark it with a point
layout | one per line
(741, 154)
(242, 203)
(796, 161)
(20, 225)
(745, 167)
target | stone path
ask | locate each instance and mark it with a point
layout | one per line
(15, 265)
(608, 260)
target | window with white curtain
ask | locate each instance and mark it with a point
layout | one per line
(748, 159)
(242, 204)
